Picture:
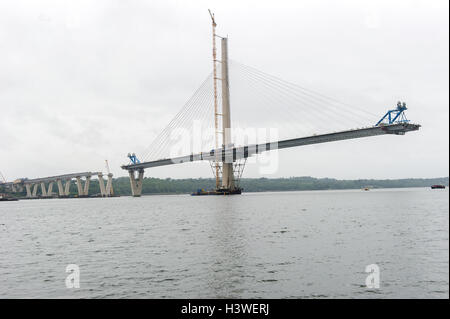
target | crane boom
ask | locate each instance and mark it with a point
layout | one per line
(3, 177)
(107, 167)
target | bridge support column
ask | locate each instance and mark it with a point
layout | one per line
(101, 183)
(136, 183)
(109, 185)
(50, 189)
(35, 188)
(60, 188)
(108, 190)
(79, 186)
(227, 176)
(43, 190)
(67, 187)
(86, 185)
(28, 188)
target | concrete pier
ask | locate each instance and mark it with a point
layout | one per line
(28, 188)
(35, 189)
(136, 183)
(60, 188)
(101, 183)
(109, 185)
(79, 186)
(108, 190)
(67, 188)
(86, 186)
(83, 190)
(50, 189)
(43, 190)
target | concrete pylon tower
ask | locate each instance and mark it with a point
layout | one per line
(227, 165)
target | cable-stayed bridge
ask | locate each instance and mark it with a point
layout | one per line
(205, 130)
(306, 117)
(260, 100)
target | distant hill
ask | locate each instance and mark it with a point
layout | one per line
(189, 185)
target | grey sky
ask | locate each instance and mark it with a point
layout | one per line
(85, 81)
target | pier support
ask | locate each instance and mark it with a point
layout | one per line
(50, 189)
(43, 190)
(83, 191)
(35, 188)
(28, 188)
(109, 185)
(67, 187)
(101, 183)
(60, 188)
(136, 183)
(86, 185)
(108, 190)
(79, 187)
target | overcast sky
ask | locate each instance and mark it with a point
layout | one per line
(85, 81)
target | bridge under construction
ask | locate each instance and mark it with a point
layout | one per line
(210, 103)
(225, 156)
(63, 183)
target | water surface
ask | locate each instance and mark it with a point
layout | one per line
(258, 245)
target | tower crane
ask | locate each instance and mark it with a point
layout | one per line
(3, 178)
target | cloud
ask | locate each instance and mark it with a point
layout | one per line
(84, 81)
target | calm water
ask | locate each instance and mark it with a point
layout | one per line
(275, 245)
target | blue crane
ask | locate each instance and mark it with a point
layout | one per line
(133, 158)
(395, 116)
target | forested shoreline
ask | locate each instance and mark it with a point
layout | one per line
(184, 186)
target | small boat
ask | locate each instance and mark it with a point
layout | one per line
(222, 191)
(437, 186)
(200, 192)
(366, 188)
(4, 198)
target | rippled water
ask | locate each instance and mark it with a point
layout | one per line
(274, 245)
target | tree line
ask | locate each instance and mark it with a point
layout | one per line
(153, 185)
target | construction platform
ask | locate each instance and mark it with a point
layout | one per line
(202, 192)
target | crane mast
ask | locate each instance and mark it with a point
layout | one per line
(3, 177)
(216, 107)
